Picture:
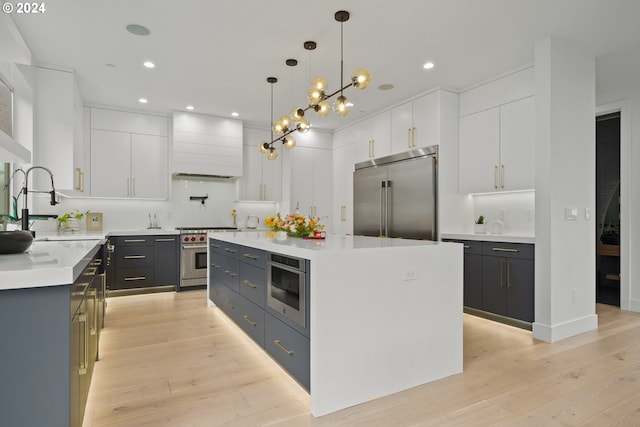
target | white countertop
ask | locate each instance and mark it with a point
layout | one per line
(296, 246)
(506, 238)
(46, 263)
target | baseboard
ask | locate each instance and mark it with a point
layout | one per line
(565, 330)
(634, 305)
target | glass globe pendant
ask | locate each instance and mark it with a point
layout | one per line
(340, 107)
(272, 154)
(289, 142)
(361, 78)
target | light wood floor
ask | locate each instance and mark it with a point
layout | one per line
(168, 360)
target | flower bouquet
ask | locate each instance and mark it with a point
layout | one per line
(294, 225)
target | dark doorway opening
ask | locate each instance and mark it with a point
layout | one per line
(608, 209)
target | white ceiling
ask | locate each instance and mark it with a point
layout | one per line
(217, 54)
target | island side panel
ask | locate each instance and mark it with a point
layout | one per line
(372, 333)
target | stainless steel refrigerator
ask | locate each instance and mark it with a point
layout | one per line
(396, 196)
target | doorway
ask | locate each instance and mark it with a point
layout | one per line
(607, 233)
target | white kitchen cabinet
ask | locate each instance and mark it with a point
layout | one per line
(58, 131)
(311, 182)
(373, 137)
(497, 148)
(206, 145)
(261, 177)
(343, 167)
(128, 165)
(416, 123)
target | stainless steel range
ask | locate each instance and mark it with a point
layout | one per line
(193, 255)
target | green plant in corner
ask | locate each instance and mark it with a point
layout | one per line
(480, 220)
(65, 221)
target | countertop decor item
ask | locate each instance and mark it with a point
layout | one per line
(294, 225)
(15, 242)
(495, 226)
(480, 227)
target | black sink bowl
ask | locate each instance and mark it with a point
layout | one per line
(15, 242)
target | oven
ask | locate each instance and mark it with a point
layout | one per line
(193, 255)
(286, 287)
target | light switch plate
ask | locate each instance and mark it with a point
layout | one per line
(571, 214)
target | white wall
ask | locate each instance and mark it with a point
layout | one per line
(565, 177)
(515, 210)
(120, 214)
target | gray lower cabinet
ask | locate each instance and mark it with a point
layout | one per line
(49, 347)
(508, 280)
(472, 274)
(143, 262)
(238, 286)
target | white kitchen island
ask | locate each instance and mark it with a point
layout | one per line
(385, 314)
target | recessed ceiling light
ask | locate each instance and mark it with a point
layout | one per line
(189, 107)
(149, 64)
(385, 86)
(138, 30)
(143, 100)
(428, 65)
(235, 114)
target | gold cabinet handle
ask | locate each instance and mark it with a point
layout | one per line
(508, 274)
(373, 148)
(230, 273)
(233, 251)
(283, 348)
(165, 240)
(343, 213)
(249, 284)
(82, 369)
(413, 137)
(227, 302)
(215, 292)
(495, 177)
(501, 267)
(502, 176)
(79, 186)
(135, 257)
(91, 271)
(409, 138)
(249, 256)
(131, 279)
(245, 317)
(215, 266)
(213, 245)
(505, 250)
(466, 246)
(134, 240)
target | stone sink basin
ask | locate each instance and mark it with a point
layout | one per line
(15, 242)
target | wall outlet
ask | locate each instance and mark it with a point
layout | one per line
(408, 274)
(570, 214)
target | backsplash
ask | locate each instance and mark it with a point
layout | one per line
(119, 214)
(516, 210)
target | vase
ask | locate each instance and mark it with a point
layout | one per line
(281, 235)
(480, 228)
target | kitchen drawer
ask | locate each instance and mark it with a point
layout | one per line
(253, 284)
(230, 304)
(134, 256)
(132, 240)
(508, 250)
(289, 348)
(470, 246)
(216, 292)
(128, 278)
(228, 271)
(251, 319)
(252, 256)
(224, 248)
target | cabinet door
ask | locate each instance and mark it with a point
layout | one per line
(479, 151)
(517, 145)
(402, 128)
(494, 287)
(252, 173)
(473, 281)
(302, 179)
(271, 178)
(426, 121)
(321, 185)
(342, 213)
(381, 134)
(364, 136)
(110, 163)
(165, 261)
(520, 286)
(149, 166)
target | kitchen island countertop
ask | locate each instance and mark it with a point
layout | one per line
(46, 263)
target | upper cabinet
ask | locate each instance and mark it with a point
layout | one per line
(373, 137)
(416, 123)
(497, 142)
(58, 131)
(206, 145)
(343, 167)
(262, 178)
(129, 155)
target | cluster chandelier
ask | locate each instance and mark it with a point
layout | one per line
(318, 97)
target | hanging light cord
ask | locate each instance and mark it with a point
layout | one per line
(342, 58)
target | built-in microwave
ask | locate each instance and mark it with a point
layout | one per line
(286, 287)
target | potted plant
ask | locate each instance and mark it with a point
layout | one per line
(70, 221)
(609, 234)
(480, 227)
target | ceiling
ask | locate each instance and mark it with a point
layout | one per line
(216, 55)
